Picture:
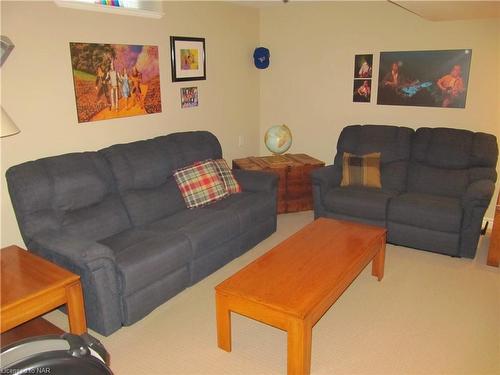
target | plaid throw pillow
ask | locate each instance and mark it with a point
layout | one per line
(361, 170)
(232, 186)
(200, 184)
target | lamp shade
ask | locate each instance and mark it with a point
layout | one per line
(7, 126)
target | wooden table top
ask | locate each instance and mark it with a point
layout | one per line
(300, 272)
(276, 161)
(25, 275)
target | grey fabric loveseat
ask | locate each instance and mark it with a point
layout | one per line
(117, 218)
(436, 185)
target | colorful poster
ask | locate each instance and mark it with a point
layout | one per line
(115, 80)
(424, 78)
(189, 97)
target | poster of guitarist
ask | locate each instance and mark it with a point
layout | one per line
(451, 86)
(424, 78)
(393, 82)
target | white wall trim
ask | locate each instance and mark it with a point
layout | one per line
(109, 9)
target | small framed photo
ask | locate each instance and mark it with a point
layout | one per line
(189, 97)
(362, 91)
(363, 65)
(188, 58)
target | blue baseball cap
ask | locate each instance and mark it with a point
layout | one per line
(261, 57)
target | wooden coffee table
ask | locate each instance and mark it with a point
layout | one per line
(32, 286)
(294, 284)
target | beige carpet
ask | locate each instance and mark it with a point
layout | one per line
(431, 314)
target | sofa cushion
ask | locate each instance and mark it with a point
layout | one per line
(144, 257)
(445, 161)
(437, 181)
(200, 184)
(357, 201)
(97, 221)
(143, 171)
(147, 205)
(361, 170)
(427, 211)
(250, 208)
(205, 229)
(454, 148)
(74, 192)
(76, 181)
(188, 147)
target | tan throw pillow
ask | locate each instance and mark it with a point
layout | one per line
(361, 170)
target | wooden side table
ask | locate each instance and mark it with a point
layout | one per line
(294, 171)
(494, 249)
(35, 327)
(32, 286)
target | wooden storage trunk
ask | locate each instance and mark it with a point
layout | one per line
(294, 170)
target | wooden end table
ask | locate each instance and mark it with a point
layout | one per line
(494, 249)
(294, 284)
(294, 171)
(32, 286)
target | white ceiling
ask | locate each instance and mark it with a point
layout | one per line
(430, 10)
(452, 10)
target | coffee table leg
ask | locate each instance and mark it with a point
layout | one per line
(378, 263)
(223, 322)
(299, 348)
(76, 311)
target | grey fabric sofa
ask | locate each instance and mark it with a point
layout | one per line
(436, 185)
(117, 218)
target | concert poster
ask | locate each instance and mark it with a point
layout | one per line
(424, 78)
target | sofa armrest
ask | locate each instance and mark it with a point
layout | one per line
(475, 201)
(95, 263)
(256, 181)
(79, 250)
(478, 193)
(326, 177)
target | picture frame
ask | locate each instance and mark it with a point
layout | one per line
(363, 66)
(429, 78)
(188, 58)
(362, 87)
(115, 80)
(189, 97)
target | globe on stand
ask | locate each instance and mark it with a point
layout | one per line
(278, 139)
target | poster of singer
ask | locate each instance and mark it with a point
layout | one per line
(424, 78)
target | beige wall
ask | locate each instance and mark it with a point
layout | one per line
(309, 83)
(37, 86)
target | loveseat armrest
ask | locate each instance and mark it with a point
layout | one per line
(256, 181)
(326, 177)
(478, 193)
(95, 263)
